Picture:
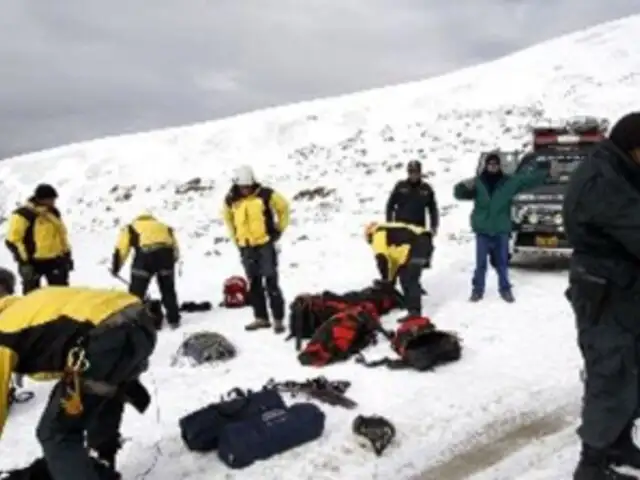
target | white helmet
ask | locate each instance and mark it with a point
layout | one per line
(243, 176)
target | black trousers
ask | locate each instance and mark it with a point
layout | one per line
(55, 271)
(159, 263)
(409, 274)
(261, 268)
(116, 355)
(609, 340)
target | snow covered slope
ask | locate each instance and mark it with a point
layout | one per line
(504, 409)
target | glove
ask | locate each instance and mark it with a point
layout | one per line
(107, 451)
(69, 262)
(26, 271)
(470, 183)
(137, 395)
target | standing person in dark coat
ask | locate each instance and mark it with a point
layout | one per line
(602, 221)
(411, 199)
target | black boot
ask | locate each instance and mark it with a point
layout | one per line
(624, 451)
(594, 464)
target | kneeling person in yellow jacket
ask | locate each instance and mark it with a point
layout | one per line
(156, 253)
(401, 250)
(97, 342)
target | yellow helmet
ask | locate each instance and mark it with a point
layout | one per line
(369, 230)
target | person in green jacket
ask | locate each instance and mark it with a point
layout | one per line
(492, 192)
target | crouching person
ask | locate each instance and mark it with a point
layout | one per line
(156, 253)
(256, 217)
(401, 251)
(97, 343)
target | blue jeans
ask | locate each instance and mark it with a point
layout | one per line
(498, 247)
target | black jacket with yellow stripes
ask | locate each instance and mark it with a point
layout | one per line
(144, 234)
(37, 330)
(257, 218)
(37, 232)
(392, 243)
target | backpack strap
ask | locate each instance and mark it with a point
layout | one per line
(391, 363)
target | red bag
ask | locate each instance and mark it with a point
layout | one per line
(420, 346)
(235, 292)
(343, 335)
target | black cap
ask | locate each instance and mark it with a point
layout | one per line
(7, 281)
(493, 158)
(625, 134)
(414, 166)
(45, 191)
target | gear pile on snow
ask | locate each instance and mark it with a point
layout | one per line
(345, 334)
(419, 345)
(308, 312)
(205, 347)
(331, 392)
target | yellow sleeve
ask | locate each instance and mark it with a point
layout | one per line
(45, 376)
(15, 236)
(8, 359)
(381, 251)
(122, 250)
(227, 216)
(379, 243)
(65, 236)
(282, 209)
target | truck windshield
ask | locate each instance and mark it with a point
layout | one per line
(568, 159)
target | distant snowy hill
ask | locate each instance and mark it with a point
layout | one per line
(508, 407)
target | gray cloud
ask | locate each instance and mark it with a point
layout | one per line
(78, 69)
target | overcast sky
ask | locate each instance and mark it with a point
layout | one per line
(77, 69)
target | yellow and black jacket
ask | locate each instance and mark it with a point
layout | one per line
(145, 234)
(391, 243)
(37, 232)
(37, 329)
(250, 219)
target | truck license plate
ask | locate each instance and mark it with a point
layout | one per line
(546, 241)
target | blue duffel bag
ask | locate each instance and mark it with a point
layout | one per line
(273, 432)
(201, 429)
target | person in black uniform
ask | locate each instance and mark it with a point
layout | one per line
(602, 221)
(410, 200)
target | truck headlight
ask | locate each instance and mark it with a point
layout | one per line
(518, 213)
(557, 219)
(533, 218)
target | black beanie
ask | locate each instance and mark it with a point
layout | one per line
(493, 158)
(414, 166)
(45, 192)
(625, 134)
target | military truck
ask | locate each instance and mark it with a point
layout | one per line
(538, 228)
